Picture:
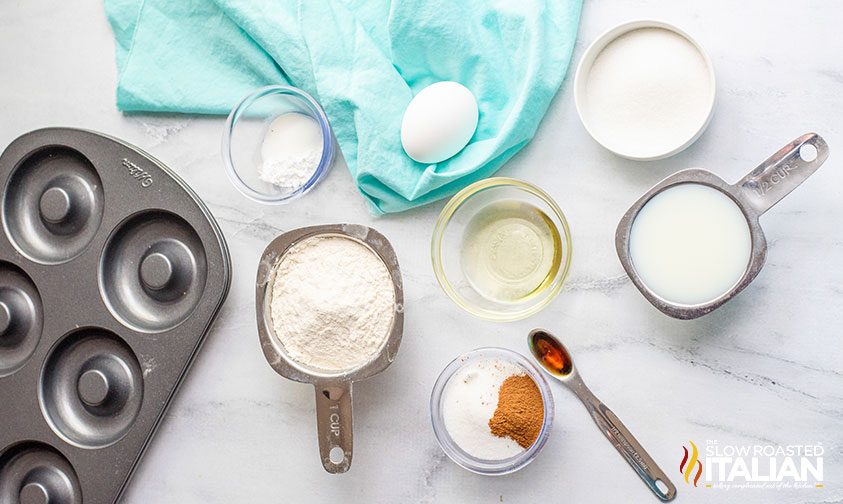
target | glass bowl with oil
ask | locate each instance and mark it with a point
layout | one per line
(501, 249)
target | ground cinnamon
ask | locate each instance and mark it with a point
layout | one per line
(520, 411)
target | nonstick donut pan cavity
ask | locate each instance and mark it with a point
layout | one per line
(111, 274)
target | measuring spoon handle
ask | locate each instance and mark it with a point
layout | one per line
(334, 425)
(773, 179)
(626, 444)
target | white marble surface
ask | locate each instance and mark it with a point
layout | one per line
(764, 369)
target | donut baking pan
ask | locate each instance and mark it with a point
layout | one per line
(111, 274)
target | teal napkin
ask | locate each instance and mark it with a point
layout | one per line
(363, 60)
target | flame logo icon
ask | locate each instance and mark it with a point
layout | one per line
(688, 464)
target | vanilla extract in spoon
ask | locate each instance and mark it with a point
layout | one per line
(555, 359)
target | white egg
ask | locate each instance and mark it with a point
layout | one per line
(439, 122)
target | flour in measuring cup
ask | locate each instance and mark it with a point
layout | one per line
(332, 304)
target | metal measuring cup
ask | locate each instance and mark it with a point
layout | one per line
(333, 390)
(754, 194)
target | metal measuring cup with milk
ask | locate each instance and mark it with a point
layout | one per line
(693, 241)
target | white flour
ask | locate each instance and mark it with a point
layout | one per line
(333, 303)
(291, 150)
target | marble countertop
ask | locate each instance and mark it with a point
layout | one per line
(764, 369)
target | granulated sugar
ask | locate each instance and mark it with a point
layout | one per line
(469, 401)
(648, 91)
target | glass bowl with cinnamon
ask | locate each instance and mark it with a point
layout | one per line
(492, 411)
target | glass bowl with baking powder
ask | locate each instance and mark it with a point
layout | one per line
(277, 144)
(478, 453)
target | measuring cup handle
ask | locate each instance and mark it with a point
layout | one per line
(626, 444)
(334, 424)
(773, 179)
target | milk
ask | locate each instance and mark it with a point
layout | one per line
(690, 244)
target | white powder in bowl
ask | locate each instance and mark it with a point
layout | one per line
(469, 401)
(648, 92)
(291, 151)
(333, 303)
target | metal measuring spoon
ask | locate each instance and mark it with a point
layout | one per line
(754, 194)
(552, 355)
(333, 390)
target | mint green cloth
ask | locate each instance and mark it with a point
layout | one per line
(363, 60)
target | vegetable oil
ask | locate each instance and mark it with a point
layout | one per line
(511, 251)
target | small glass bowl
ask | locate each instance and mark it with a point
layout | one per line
(447, 243)
(243, 136)
(450, 447)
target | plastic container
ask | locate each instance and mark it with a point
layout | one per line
(460, 456)
(246, 128)
(447, 242)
